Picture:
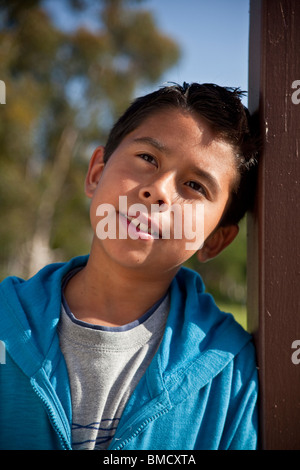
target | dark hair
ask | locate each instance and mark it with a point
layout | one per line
(222, 109)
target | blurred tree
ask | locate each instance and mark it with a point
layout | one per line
(64, 89)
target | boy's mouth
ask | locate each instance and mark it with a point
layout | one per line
(143, 226)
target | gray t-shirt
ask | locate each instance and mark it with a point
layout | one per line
(104, 365)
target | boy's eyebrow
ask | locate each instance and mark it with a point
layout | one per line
(152, 141)
(210, 179)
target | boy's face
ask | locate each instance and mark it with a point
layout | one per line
(172, 160)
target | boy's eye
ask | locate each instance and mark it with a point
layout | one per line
(148, 158)
(196, 187)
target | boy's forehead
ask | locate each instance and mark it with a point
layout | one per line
(182, 123)
(165, 129)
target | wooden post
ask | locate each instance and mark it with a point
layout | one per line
(274, 226)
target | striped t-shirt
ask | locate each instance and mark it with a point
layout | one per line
(104, 365)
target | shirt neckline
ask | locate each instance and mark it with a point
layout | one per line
(116, 329)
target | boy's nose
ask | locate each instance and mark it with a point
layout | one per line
(158, 192)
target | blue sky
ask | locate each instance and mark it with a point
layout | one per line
(212, 35)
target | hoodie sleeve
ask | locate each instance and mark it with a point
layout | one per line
(241, 429)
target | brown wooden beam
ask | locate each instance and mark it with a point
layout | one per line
(274, 226)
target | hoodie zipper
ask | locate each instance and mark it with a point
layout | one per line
(53, 419)
(138, 430)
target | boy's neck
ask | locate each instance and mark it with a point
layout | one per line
(101, 294)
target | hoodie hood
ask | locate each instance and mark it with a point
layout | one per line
(29, 327)
(32, 311)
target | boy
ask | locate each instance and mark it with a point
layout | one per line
(123, 349)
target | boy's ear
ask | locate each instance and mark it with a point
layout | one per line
(95, 169)
(217, 242)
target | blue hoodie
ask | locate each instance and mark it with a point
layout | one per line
(199, 392)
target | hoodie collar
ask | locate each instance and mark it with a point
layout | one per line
(32, 311)
(195, 327)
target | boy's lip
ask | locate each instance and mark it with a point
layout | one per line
(144, 224)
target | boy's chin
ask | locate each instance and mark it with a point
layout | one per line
(140, 255)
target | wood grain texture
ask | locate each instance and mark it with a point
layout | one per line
(274, 226)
